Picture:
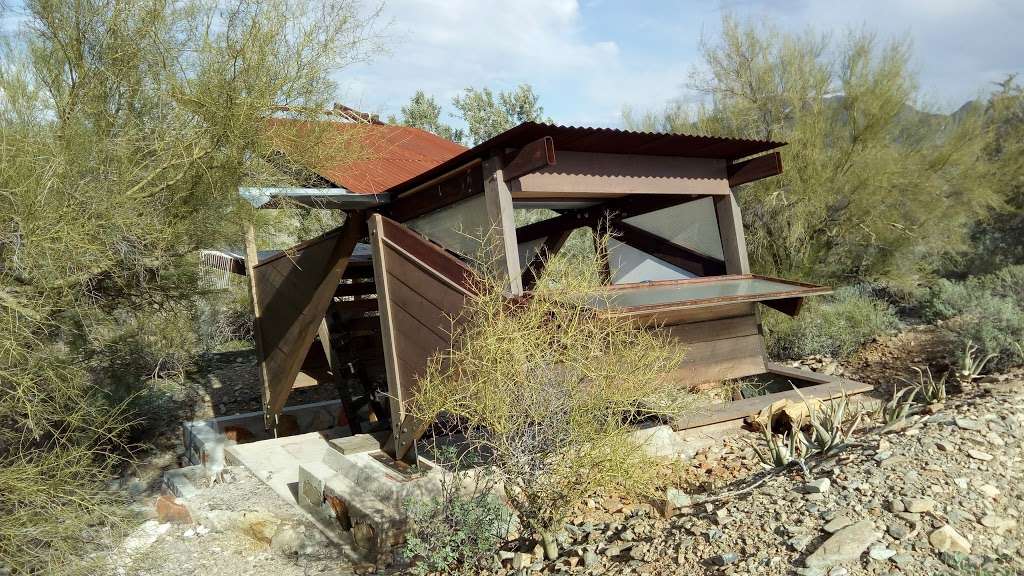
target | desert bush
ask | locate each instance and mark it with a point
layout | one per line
(836, 325)
(458, 531)
(986, 312)
(547, 388)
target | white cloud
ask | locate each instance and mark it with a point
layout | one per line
(588, 62)
(444, 46)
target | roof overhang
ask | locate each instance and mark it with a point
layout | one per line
(334, 198)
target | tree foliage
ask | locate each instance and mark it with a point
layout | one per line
(997, 237)
(485, 116)
(128, 126)
(424, 112)
(872, 188)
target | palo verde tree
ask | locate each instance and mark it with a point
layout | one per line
(872, 188)
(486, 116)
(128, 126)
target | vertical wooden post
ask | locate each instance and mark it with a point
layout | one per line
(730, 228)
(503, 225)
(340, 381)
(251, 259)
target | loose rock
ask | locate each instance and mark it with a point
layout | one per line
(845, 545)
(946, 539)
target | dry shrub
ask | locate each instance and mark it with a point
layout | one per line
(548, 389)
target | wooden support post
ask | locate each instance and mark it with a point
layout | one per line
(552, 244)
(503, 225)
(730, 227)
(251, 259)
(341, 382)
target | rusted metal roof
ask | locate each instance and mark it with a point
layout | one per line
(600, 140)
(376, 157)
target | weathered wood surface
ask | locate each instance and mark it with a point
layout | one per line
(536, 155)
(503, 225)
(589, 175)
(421, 290)
(738, 409)
(754, 169)
(295, 291)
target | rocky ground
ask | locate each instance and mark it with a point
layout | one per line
(941, 495)
(236, 526)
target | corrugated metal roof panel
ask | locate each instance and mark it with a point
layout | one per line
(384, 155)
(601, 140)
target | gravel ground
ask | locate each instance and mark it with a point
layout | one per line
(944, 495)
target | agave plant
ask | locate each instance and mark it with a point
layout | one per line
(932, 391)
(898, 407)
(832, 426)
(782, 451)
(970, 366)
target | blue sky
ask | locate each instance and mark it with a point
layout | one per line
(589, 58)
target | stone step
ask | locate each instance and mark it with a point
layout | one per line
(382, 482)
(334, 500)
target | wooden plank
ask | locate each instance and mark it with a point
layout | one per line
(730, 228)
(740, 409)
(363, 324)
(425, 311)
(624, 208)
(503, 224)
(587, 174)
(793, 290)
(683, 316)
(788, 306)
(552, 244)
(714, 329)
(536, 155)
(719, 360)
(356, 289)
(301, 301)
(416, 299)
(251, 259)
(377, 232)
(422, 339)
(754, 169)
(457, 186)
(340, 381)
(663, 249)
(424, 283)
(427, 255)
(351, 307)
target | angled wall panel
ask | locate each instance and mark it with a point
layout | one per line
(421, 289)
(293, 291)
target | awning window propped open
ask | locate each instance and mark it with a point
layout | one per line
(651, 298)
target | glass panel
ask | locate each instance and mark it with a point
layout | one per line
(629, 265)
(693, 225)
(650, 295)
(527, 250)
(459, 227)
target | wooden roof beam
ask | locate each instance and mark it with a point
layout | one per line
(754, 169)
